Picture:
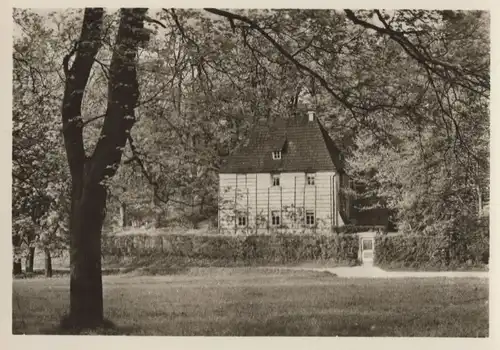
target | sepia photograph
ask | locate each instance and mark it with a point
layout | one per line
(257, 172)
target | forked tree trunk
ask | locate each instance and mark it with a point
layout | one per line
(88, 174)
(48, 263)
(85, 279)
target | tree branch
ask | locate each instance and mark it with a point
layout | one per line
(76, 80)
(123, 95)
(438, 67)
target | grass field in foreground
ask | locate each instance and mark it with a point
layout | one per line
(266, 302)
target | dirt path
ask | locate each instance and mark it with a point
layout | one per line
(376, 272)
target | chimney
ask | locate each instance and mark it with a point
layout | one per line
(311, 115)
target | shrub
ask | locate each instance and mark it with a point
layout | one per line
(254, 249)
(358, 228)
(466, 248)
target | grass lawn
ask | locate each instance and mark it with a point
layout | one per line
(266, 302)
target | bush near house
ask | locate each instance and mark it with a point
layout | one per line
(468, 248)
(235, 250)
(359, 228)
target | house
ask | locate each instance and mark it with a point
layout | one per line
(288, 178)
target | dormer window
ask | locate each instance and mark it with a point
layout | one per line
(277, 155)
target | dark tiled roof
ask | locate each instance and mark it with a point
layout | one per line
(305, 146)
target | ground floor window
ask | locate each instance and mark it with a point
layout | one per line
(242, 220)
(275, 218)
(310, 217)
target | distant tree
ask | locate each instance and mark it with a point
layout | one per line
(38, 169)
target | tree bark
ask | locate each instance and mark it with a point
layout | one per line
(16, 262)
(479, 202)
(30, 260)
(16, 266)
(89, 174)
(48, 263)
(86, 310)
(123, 215)
(87, 216)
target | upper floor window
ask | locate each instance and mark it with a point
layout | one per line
(275, 179)
(310, 178)
(277, 155)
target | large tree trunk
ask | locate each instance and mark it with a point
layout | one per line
(89, 174)
(30, 260)
(85, 278)
(87, 216)
(48, 263)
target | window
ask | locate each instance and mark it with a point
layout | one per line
(310, 179)
(310, 217)
(277, 155)
(275, 218)
(275, 179)
(242, 220)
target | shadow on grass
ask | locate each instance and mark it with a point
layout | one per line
(66, 327)
(136, 269)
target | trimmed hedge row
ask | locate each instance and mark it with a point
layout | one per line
(248, 249)
(359, 228)
(432, 252)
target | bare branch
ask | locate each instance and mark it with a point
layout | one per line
(151, 20)
(90, 120)
(105, 68)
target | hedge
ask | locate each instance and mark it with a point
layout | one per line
(433, 252)
(359, 228)
(340, 248)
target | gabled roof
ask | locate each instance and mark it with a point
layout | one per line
(306, 147)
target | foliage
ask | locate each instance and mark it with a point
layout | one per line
(249, 249)
(358, 228)
(432, 171)
(469, 248)
(40, 178)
